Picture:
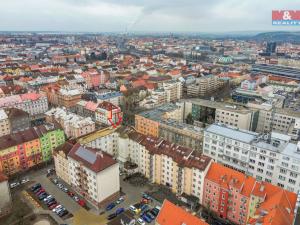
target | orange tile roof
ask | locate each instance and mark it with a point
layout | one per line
(171, 214)
(277, 208)
(225, 176)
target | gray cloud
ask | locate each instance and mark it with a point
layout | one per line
(141, 15)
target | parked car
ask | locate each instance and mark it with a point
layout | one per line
(52, 206)
(121, 199)
(110, 206)
(34, 187)
(135, 209)
(145, 201)
(155, 211)
(144, 208)
(141, 221)
(65, 190)
(48, 197)
(81, 202)
(13, 185)
(60, 210)
(70, 193)
(39, 191)
(146, 218)
(55, 181)
(111, 216)
(149, 214)
(76, 199)
(119, 211)
(24, 181)
(63, 213)
(51, 202)
(146, 196)
(42, 196)
(57, 208)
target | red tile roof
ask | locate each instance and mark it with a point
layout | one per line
(226, 177)
(171, 214)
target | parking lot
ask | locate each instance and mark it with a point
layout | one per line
(131, 194)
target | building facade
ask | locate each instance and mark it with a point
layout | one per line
(94, 174)
(108, 114)
(271, 157)
(4, 123)
(25, 149)
(241, 199)
(73, 124)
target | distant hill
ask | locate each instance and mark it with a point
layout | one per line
(278, 36)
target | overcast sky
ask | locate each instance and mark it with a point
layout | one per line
(141, 15)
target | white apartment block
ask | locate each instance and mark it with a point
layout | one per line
(182, 169)
(272, 159)
(108, 113)
(73, 124)
(173, 90)
(4, 123)
(32, 103)
(95, 174)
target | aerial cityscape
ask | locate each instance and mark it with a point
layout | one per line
(149, 112)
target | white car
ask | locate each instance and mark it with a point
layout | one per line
(24, 181)
(141, 221)
(13, 185)
(57, 208)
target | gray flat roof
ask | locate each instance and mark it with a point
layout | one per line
(236, 134)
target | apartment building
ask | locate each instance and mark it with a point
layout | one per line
(166, 92)
(5, 196)
(182, 169)
(106, 139)
(32, 103)
(207, 112)
(283, 120)
(268, 157)
(4, 123)
(181, 133)
(241, 199)
(28, 148)
(148, 122)
(173, 90)
(204, 86)
(108, 114)
(68, 98)
(86, 109)
(61, 163)
(171, 214)
(94, 174)
(114, 97)
(72, 124)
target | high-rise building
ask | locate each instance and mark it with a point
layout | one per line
(271, 47)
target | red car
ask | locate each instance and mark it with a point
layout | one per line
(40, 191)
(52, 206)
(145, 201)
(71, 193)
(81, 203)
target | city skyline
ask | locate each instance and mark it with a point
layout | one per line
(142, 16)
